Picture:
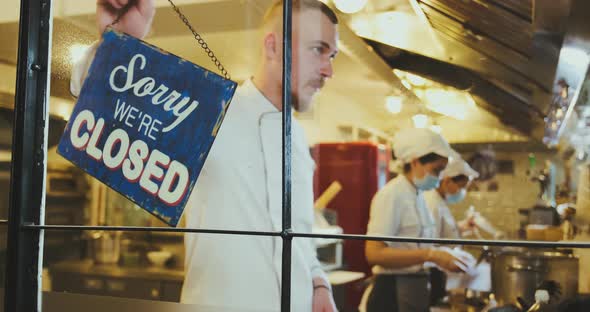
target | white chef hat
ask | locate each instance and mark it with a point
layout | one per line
(457, 166)
(412, 143)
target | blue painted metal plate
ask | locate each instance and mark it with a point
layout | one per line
(144, 123)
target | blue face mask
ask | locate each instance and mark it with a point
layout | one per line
(428, 182)
(457, 197)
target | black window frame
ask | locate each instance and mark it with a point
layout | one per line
(28, 169)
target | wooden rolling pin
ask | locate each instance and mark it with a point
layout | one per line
(327, 196)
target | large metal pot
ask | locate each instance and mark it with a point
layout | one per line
(517, 273)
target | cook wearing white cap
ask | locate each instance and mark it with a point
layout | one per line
(401, 281)
(455, 179)
(453, 188)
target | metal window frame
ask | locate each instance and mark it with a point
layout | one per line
(287, 232)
(29, 151)
(26, 225)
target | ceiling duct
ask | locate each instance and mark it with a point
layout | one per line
(504, 52)
(572, 70)
(509, 109)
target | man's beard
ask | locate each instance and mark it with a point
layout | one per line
(295, 101)
(298, 104)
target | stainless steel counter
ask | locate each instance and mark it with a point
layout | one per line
(113, 270)
(140, 282)
(67, 302)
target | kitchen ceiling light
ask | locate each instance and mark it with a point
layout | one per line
(450, 103)
(393, 104)
(416, 80)
(436, 128)
(420, 121)
(407, 84)
(350, 6)
(419, 93)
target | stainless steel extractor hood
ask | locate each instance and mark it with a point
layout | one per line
(572, 71)
(504, 52)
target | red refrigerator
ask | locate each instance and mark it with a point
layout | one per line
(361, 168)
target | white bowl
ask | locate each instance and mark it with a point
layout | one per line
(159, 258)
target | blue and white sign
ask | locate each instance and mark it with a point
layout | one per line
(144, 123)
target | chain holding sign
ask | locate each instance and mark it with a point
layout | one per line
(145, 121)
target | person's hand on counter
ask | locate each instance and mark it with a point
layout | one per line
(322, 296)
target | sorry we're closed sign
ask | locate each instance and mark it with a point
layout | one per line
(144, 123)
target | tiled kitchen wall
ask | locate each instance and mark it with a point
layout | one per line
(515, 191)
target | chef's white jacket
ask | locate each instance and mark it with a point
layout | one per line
(446, 227)
(398, 209)
(240, 188)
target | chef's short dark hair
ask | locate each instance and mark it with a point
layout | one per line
(299, 5)
(426, 159)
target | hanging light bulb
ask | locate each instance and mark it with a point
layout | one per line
(420, 120)
(350, 6)
(393, 104)
(407, 84)
(416, 80)
(436, 128)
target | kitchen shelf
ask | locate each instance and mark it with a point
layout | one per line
(114, 270)
(55, 195)
(175, 235)
(148, 283)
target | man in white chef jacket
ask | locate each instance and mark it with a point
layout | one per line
(240, 184)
